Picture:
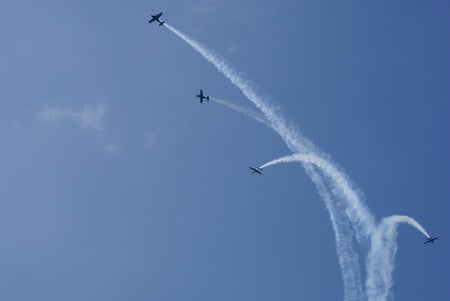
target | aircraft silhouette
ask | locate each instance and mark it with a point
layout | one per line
(256, 170)
(156, 18)
(430, 239)
(202, 96)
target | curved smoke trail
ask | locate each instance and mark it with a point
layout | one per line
(361, 219)
(291, 136)
(359, 215)
(383, 247)
(347, 255)
(383, 238)
(380, 260)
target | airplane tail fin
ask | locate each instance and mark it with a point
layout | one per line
(207, 98)
(162, 23)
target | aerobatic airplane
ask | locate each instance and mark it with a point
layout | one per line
(256, 170)
(156, 18)
(202, 96)
(430, 239)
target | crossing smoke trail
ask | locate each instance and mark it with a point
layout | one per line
(333, 173)
(287, 132)
(383, 248)
(361, 220)
(356, 211)
(348, 257)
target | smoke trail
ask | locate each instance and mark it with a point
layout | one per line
(348, 258)
(357, 213)
(380, 260)
(354, 208)
(394, 220)
(250, 113)
(383, 248)
(346, 253)
(337, 177)
(288, 133)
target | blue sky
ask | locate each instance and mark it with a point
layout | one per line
(118, 185)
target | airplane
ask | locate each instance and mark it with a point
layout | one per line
(156, 18)
(430, 239)
(202, 96)
(257, 170)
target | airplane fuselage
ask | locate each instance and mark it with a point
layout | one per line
(430, 239)
(202, 96)
(156, 18)
(256, 170)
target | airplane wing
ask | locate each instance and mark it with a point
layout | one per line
(255, 170)
(428, 240)
(155, 18)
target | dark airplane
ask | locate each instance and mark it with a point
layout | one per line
(430, 239)
(257, 170)
(202, 96)
(156, 18)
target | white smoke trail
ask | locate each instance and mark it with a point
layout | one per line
(360, 217)
(380, 260)
(394, 220)
(347, 256)
(345, 249)
(337, 177)
(287, 132)
(383, 248)
(354, 208)
(250, 113)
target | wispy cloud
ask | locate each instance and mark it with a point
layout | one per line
(89, 117)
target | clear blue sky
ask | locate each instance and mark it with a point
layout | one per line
(116, 184)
